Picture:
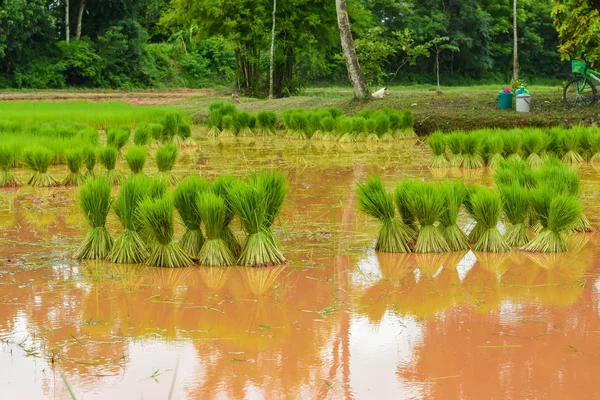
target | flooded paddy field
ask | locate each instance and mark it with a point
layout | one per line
(338, 322)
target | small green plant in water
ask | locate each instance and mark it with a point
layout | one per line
(108, 157)
(437, 143)
(166, 157)
(185, 199)
(136, 159)
(515, 200)
(7, 159)
(214, 251)
(486, 208)
(74, 158)
(38, 160)
(95, 203)
(454, 196)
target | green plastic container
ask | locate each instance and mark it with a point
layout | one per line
(505, 100)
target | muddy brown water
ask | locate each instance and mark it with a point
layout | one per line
(338, 322)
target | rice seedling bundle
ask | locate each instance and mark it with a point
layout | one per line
(266, 123)
(494, 147)
(38, 160)
(345, 127)
(328, 124)
(382, 127)
(136, 159)
(512, 146)
(299, 121)
(471, 146)
(214, 251)
(371, 130)
(185, 199)
(533, 146)
(454, 196)
(9, 127)
(171, 123)
(335, 112)
(426, 202)
(222, 188)
(242, 120)
(403, 191)
(569, 148)
(477, 229)
(157, 218)
(515, 199)
(7, 159)
(141, 135)
(395, 119)
(408, 121)
(156, 132)
(89, 159)
(584, 137)
(515, 172)
(595, 148)
(108, 157)
(376, 202)
(75, 160)
(129, 248)
(437, 143)
(257, 203)
(166, 157)
(557, 214)
(359, 127)
(117, 137)
(95, 203)
(486, 207)
(454, 142)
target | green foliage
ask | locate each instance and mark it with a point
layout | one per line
(95, 203)
(185, 199)
(136, 158)
(577, 23)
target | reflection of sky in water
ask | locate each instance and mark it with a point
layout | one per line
(367, 272)
(465, 265)
(376, 351)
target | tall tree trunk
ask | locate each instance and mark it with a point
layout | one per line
(79, 18)
(67, 29)
(355, 74)
(437, 68)
(272, 68)
(515, 38)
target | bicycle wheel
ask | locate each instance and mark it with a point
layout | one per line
(578, 93)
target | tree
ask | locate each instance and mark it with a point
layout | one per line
(438, 45)
(515, 44)
(578, 24)
(354, 72)
(79, 19)
(272, 61)
(67, 25)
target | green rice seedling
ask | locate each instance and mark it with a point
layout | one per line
(557, 214)
(7, 159)
(129, 248)
(494, 146)
(328, 125)
(454, 196)
(141, 135)
(472, 158)
(395, 123)
(365, 113)
(75, 160)
(335, 112)
(533, 147)
(214, 252)
(569, 148)
(184, 134)
(257, 204)
(345, 125)
(515, 200)
(136, 159)
(266, 123)
(371, 130)
(108, 157)
(171, 123)
(156, 133)
(95, 203)
(437, 143)
(486, 207)
(157, 219)
(476, 229)
(376, 202)
(185, 199)
(403, 191)
(382, 127)
(426, 202)
(9, 127)
(117, 137)
(166, 157)
(408, 121)
(89, 159)
(227, 126)
(359, 128)
(300, 122)
(243, 121)
(222, 188)
(38, 160)
(512, 146)
(515, 172)
(454, 142)
(595, 148)
(584, 137)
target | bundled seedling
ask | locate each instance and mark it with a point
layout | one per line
(216, 112)
(222, 188)
(515, 172)
(408, 121)
(157, 219)
(129, 248)
(486, 208)
(257, 203)
(95, 203)
(7, 159)
(557, 215)
(568, 144)
(328, 125)
(185, 199)
(494, 146)
(156, 134)
(403, 191)
(454, 196)
(214, 252)
(89, 159)
(228, 126)
(345, 125)
(108, 157)
(166, 157)
(437, 143)
(512, 146)
(534, 144)
(515, 199)
(38, 160)
(75, 158)
(266, 123)
(376, 202)
(471, 146)
(476, 229)
(141, 135)
(454, 142)
(136, 159)
(426, 202)
(117, 137)
(595, 148)
(382, 127)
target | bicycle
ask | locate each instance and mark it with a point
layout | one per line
(581, 91)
